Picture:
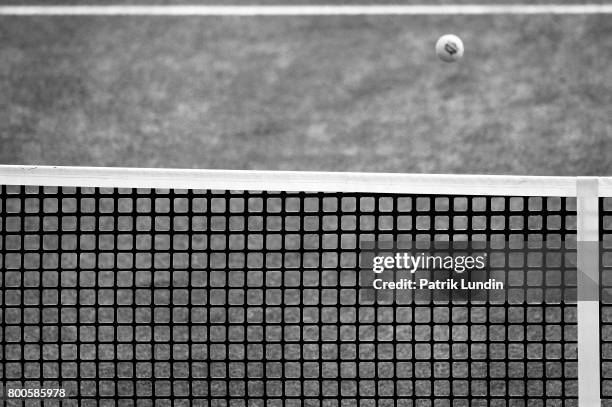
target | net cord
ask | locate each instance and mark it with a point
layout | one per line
(290, 181)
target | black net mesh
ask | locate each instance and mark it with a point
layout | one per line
(137, 297)
(605, 228)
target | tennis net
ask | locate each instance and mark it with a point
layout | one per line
(134, 287)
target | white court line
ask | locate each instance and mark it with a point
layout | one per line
(305, 10)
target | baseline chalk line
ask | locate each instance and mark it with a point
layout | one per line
(303, 10)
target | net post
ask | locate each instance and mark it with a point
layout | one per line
(589, 379)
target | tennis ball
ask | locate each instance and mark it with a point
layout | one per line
(449, 48)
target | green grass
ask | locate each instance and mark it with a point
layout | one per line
(532, 95)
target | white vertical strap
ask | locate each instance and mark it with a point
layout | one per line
(589, 378)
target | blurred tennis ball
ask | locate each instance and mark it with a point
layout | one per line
(449, 48)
